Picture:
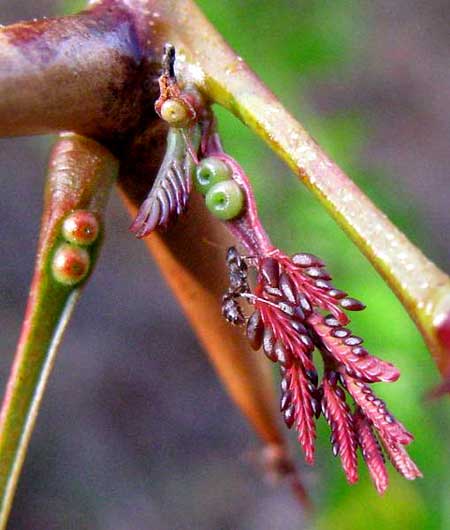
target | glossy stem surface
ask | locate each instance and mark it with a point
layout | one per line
(80, 73)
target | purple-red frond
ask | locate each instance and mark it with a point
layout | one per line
(338, 416)
(371, 451)
(348, 352)
(376, 411)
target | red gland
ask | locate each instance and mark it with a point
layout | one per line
(70, 264)
(81, 228)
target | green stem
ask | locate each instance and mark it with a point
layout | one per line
(81, 173)
(24, 394)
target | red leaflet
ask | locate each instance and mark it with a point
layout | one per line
(371, 451)
(338, 416)
(375, 410)
(400, 458)
(346, 350)
(302, 391)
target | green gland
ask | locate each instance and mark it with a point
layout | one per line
(209, 172)
(225, 200)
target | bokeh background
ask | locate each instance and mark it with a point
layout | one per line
(136, 432)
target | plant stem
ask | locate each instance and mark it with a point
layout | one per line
(24, 394)
(80, 73)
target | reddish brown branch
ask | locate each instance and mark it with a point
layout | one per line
(85, 73)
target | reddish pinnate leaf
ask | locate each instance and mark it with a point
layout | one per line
(290, 297)
(288, 321)
(338, 416)
(354, 359)
(371, 451)
(375, 410)
(170, 192)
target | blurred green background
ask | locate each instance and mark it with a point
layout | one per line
(368, 80)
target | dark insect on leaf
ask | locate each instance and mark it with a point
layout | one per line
(232, 311)
(238, 270)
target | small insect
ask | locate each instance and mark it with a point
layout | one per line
(231, 309)
(240, 288)
(238, 275)
(238, 271)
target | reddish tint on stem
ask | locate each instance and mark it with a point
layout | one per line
(442, 325)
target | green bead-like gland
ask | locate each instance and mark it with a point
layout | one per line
(225, 200)
(175, 113)
(70, 264)
(210, 171)
(81, 228)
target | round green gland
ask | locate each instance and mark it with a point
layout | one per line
(210, 171)
(225, 200)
